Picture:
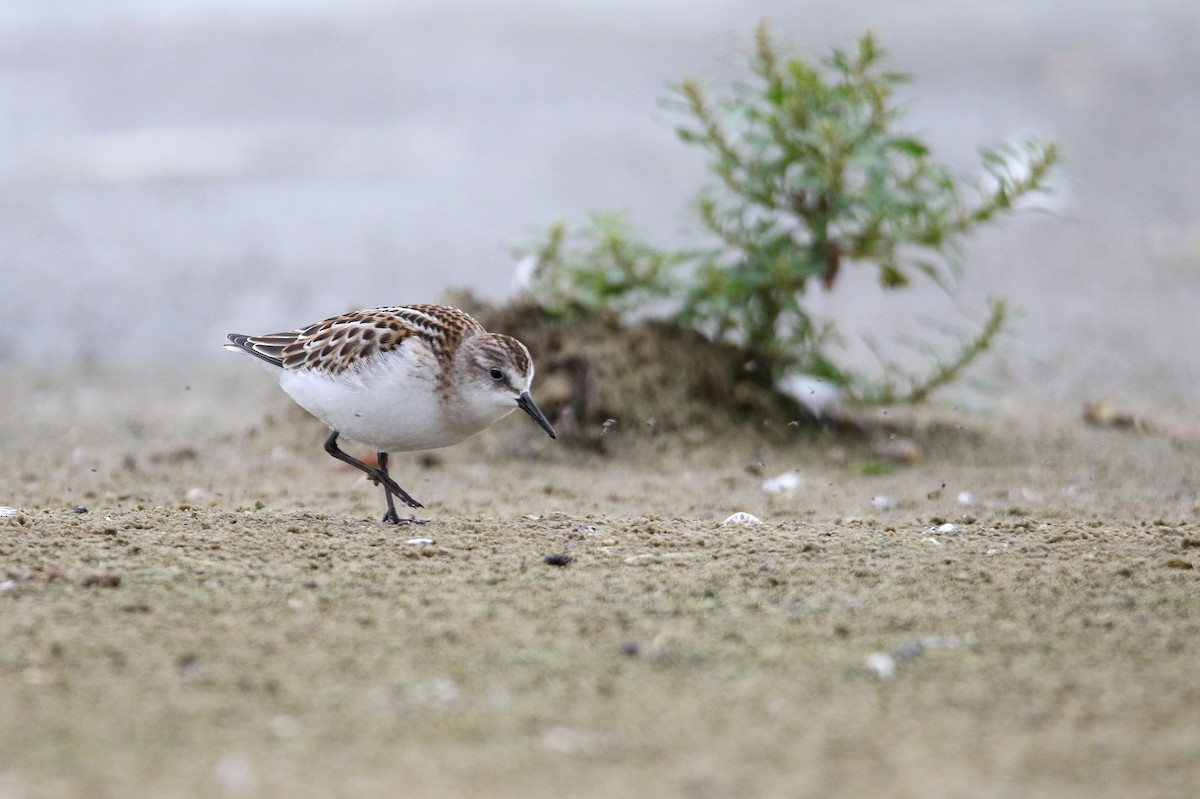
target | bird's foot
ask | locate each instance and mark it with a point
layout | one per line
(391, 517)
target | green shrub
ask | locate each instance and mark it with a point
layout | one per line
(814, 173)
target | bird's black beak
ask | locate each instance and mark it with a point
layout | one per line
(526, 403)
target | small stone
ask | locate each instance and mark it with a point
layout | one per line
(235, 773)
(908, 650)
(284, 726)
(1179, 563)
(897, 450)
(46, 575)
(190, 666)
(102, 580)
(558, 559)
(882, 664)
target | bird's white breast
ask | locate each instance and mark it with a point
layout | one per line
(393, 405)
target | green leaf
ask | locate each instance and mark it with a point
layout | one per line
(813, 173)
(910, 146)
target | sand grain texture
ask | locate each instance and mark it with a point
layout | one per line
(268, 637)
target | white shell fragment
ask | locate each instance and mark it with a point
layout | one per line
(818, 395)
(741, 517)
(235, 772)
(788, 481)
(285, 727)
(882, 664)
(419, 541)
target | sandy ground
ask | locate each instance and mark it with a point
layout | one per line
(267, 636)
(229, 618)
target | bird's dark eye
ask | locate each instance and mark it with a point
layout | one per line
(496, 374)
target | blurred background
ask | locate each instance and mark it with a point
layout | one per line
(173, 170)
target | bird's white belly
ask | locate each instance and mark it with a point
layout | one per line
(386, 411)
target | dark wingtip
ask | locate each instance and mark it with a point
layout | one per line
(241, 342)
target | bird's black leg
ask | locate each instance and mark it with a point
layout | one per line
(390, 517)
(378, 476)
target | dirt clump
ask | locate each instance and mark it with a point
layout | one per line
(597, 377)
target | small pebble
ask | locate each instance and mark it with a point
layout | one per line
(558, 559)
(917, 647)
(419, 541)
(102, 580)
(908, 650)
(284, 726)
(235, 773)
(80, 509)
(901, 451)
(882, 664)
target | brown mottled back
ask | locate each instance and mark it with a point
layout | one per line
(339, 343)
